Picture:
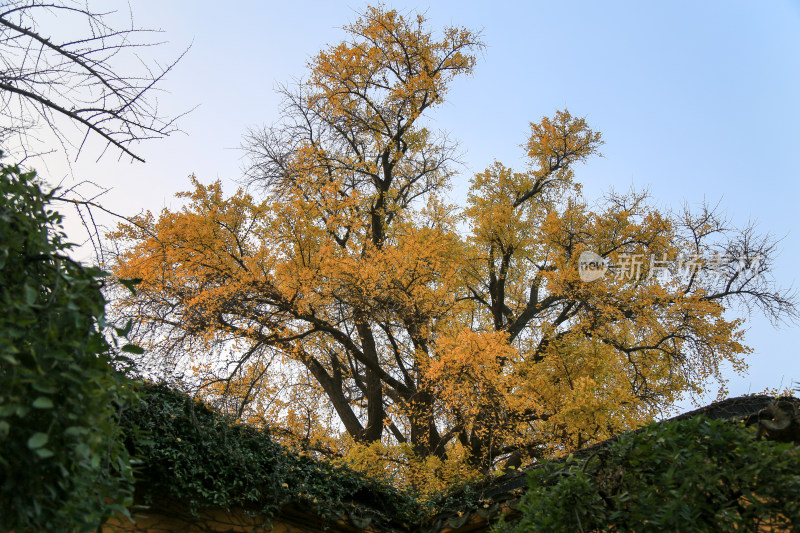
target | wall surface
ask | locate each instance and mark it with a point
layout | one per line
(164, 521)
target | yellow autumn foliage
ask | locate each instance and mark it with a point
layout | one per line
(343, 303)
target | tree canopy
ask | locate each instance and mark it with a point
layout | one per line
(342, 300)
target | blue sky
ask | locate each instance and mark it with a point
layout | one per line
(696, 101)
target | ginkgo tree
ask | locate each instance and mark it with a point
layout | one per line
(342, 301)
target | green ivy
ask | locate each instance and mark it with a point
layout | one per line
(690, 475)
(196, 457)
(63, 464)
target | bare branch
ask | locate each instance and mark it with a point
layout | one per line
(76, 79)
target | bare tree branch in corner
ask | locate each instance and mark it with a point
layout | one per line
(59, 66)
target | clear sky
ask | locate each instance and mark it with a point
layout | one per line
(696, 100)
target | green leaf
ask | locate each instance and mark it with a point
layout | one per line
(5, 427)
(10, 358)
(43, 402)
(123, 331)
(130, 284)
(46, 388)
(74, 431)
(132, 348)
(37, 441)
(31, 295)
(82, 450)
(44, 453)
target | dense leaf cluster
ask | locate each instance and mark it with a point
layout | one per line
(63, 464)
(200, 458)
(698, 475)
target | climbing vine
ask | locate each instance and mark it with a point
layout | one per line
(698, 475)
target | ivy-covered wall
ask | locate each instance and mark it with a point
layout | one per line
(193, 461)
(199, 468)
(684, 475)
